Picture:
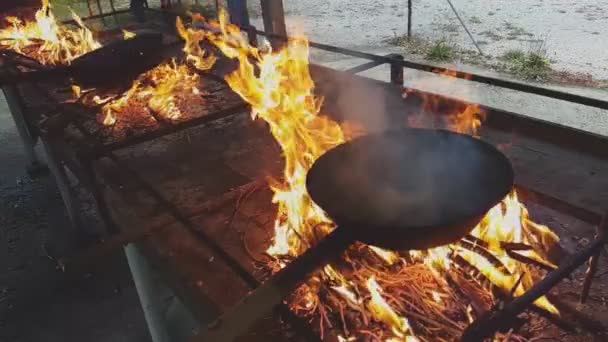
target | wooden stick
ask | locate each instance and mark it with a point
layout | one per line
(602, 231)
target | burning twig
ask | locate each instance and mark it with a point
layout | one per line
(530, 261)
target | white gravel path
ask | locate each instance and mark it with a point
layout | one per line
(574, 33)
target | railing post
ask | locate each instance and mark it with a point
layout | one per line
(397, 70)
(274, 20)
(252, 35)
(238, 13)
(409, 19)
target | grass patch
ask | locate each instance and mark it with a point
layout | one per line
(530, 65)
(413, 45)
(206, 10)
(475, 20)
(440, 51)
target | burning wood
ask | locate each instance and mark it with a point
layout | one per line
(166, 92)
(372, 293)
(47, 41)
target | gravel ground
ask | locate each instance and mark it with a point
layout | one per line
(570, 32)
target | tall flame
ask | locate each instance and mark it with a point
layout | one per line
(46, 40)
(279, 89)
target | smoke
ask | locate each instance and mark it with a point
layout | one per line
(375, 106)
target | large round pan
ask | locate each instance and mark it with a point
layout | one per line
(406, 189)
(411, 188)
(115, 63)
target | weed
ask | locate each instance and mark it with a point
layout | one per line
(413, 45)
(475, 20)
(531, 65)
(440, 51)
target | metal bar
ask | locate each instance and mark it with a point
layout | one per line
(464, 26)
(101, 150)
(100, 9)
(252, 35)
(96, 16)
(527, 88)
(99, 252)
(554, 133)
(409, 19)
(264, 298)
(602, 232)
(102, 205)
(69, 199)
(486, 326)
(238, 13)
(16, 108)
(397, 71)
(273, 16)
(89, 7)
(559, 205)
(150, 292)
(369, 65)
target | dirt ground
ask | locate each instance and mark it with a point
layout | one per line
(37, 301)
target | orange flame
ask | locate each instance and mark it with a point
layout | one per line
(46, 40)
(383, 312)
(192, 48)
(281, 93)
(160, 89)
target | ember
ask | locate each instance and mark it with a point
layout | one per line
(429, 295)
(47, 41)
(167, 91)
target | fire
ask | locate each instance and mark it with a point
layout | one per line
(47, 41)
(192, 47)
(383, 312)
(279, 88)
(163, 90)
(128, 34)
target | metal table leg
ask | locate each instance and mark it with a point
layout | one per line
(154, 297)
(15, 105)
(67, 194)
(167, 318)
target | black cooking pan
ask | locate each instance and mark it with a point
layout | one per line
(118, 62)
(404, 189)
(411, 188)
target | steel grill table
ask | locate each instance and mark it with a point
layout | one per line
(190, 201)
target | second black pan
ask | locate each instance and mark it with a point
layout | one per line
(118, 62)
